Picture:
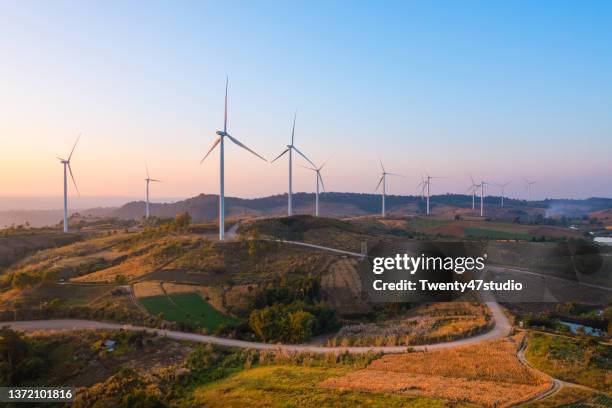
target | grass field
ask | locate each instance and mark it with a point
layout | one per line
(572, 360)
(573, 397)
(487, 374)
(294, 386)
(486, 233)
(187, 308)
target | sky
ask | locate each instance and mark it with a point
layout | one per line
(499, 90)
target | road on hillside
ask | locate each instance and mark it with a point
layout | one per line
(501, 329)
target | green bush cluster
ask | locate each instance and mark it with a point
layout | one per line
(291, 311)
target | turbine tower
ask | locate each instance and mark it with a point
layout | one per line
(473, 188)
(426, 184)
(290, 148)
(66, 163)
(148, 180)
(317, 171)
(529, 184)
(503, 191)
(219, 141)
(482, 184)
(383, 181)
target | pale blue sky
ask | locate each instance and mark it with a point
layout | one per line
(502, 90)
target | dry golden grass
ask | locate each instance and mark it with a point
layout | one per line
(487, 374)
(131, 269)
(147, 288)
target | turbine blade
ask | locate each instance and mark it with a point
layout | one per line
(73, 180)
(326, 161)
(147, 169)
(60, 159)
(379, 182)
(381, 165)
(211, 149)
(321, 179)
(395, 174)
(293, 129)
(243, 146)
(472, 178)
(157, 181)
(73, 147)
(309, 168)
(302, 154)
(225, 113)
(280, 155)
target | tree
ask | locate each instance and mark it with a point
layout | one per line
(14, 350)
(301, 326)
(182, 220)
(120, 279)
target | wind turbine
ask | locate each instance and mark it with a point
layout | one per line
(66, 163)
(503, 191)
(219, 141)
(148, 180)
(529, 184)
(482, 184)
(426, 183)
(473, 188)
(290, 148)
(317, 170)
(383, 180)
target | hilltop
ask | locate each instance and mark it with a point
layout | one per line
(204, 207)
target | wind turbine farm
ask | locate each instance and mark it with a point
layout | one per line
(237, 281)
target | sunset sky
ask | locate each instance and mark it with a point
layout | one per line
(500, 90)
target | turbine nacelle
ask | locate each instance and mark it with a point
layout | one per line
(221, 133)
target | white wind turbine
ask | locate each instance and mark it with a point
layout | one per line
(383, 181)
(503, 191)
(529, 184)
(317, 171)
(473, 188)
(425, 184)
(482, 184)
(290, 148)
(66, 163)
(222, 135)
(148, 180)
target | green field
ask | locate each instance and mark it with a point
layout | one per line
(484, 233)
(186, 308)
(573, 360)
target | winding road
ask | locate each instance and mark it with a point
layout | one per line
(500, 330)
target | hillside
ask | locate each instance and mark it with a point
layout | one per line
(204, 207)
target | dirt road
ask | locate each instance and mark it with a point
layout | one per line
(501, 329)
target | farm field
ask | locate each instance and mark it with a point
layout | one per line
(489, 230)
(431, 323)
(188, 308)
(289, 385)
(573, 397)
(573, 360)
(487, 374)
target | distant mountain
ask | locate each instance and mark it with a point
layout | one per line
(205, 207)
(43, 218)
